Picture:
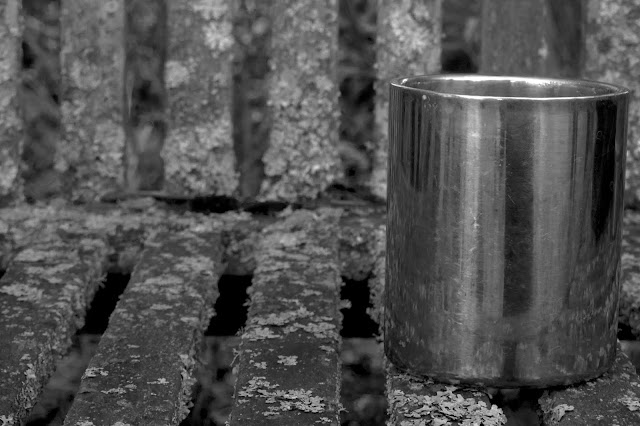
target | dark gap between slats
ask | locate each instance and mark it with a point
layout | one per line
(213, 392)
(356, 322)
(2, 271)
(520, 406)
(231, 306)
(363, 380)
(58, 394)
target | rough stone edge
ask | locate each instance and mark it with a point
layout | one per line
(93, 255)
(90, 151)
(199, 154)
(11, 137)
(275, 241)
(408, 43)
(302, 158)
(82, 413)
(612, 31)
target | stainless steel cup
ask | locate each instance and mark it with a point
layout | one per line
(505, 202)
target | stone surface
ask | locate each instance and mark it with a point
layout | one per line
(43, 298)
(198, 153)
(613, 399)
(415, 401)
(10, 123)
(127, 229)
(90, 152)
(302, 158)
(612, 32)
(408, 43)
(289, 370)
(142, 372)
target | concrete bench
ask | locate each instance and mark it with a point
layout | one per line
(287, 363)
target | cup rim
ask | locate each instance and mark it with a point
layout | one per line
(612, 90)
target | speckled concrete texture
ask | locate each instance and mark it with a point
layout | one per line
(289, 370)
(613, 399)
(408, 43)
(43, 298)
(612, 32)
(143, 370)
(10, 123)
(91, 149)
(302, 158)
(198, 153)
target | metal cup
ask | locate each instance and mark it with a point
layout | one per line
(505, 203)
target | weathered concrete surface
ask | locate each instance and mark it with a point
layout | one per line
(10, 123)
(408, 43)
(127, 228)
(144, 93)
(415, 401)
(198, 153)
(302, 158)
(43, 298)
(612, 31)
(90, 152)
(531, 37)
(613, 399)
(377, 251)
(289, 371)
(629, 310)
(143, 370)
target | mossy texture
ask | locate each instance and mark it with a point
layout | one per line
(612, 34)
(10, 124)
(289, 370)
(43, 298)
(198, 153)
(143, 370)
(408, 43)
(91, 150)
(302, 158)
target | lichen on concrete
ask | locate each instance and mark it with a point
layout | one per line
(407, 43)
(415, 401)
(43, 299)
(10, 124)
(612, 34)
(143, 370)
(198, 154)
(288, 370)
(91, 149)
(612, 399)
(302, 158)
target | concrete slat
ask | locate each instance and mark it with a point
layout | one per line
(44, 295)
(142, 372)
(289, 370)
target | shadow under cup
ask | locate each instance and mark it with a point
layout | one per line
(505, 203)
